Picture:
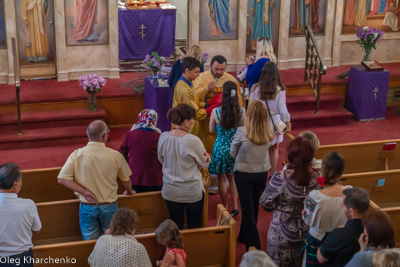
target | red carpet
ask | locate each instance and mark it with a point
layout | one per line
(294, 77)
(54, 91)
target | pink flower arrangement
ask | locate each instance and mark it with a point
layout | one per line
(92, 83)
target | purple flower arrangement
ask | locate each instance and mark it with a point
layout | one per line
(92, 83)
(154, 62)
(367, 39)
(204, 59)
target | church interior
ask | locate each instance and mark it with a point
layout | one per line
(340, 87)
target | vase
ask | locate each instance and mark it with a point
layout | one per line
(155, 73)
(92, 102)
(367, 55)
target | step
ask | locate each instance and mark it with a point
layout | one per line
(50, 118)
(308, 102)
(43, 137)
(303, 119)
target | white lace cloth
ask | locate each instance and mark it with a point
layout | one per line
(119, 251)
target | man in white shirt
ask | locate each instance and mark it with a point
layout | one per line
(19, 218)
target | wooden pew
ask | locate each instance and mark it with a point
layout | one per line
(208, 246)
(60, 219)
(41, 185)
(361, 156)
(386, 194)
(394, 214)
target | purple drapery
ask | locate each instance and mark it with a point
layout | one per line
(158, 27)
(156, 96)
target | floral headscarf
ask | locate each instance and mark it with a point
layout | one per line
(147, 118)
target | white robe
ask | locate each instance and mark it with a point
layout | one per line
(391, 19)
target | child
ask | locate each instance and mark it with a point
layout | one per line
(312, 137)
(168, 235)
(225, 120)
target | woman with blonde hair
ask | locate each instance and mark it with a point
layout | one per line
(264, 53)
(176, 71)
(250, 148)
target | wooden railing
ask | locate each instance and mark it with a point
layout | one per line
(17, 82)
(315, 65)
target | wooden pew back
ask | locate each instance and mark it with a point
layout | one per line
(60, 219)
(41, 185)
(209, 246)
(361, 156)
(382, 186)
(394, 214)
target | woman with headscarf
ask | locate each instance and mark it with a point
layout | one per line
(140, 150)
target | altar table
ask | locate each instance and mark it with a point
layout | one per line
(367, 93)
(142, 31)
(156, 96)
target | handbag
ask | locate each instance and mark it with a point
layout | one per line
(280, 127)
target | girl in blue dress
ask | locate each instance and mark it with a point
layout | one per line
(225, 120)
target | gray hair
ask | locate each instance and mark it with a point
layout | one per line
(256, 258)
(96, 129)
(9, 173)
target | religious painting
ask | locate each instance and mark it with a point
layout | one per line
(262, 21)
(35, 31)
(2, 26)
(219, 19)
(307, 13)
(381, 14)
(86, 22)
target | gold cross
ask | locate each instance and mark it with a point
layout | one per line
(142, 33)
(375, 91)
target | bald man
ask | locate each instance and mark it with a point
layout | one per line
(93, 172)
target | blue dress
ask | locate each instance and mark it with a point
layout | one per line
(221, 160)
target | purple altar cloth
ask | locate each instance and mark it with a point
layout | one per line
(156, 96)
(367, 93)
(158, 32)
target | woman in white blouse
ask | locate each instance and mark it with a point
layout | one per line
(182, 154)
(272, 93)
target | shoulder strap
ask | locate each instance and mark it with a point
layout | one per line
(217, 112)
(270, 116)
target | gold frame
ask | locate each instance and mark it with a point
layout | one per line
(218, 39)
(315, 34)
(4, 23)
(88, 43)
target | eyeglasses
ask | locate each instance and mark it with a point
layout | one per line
(107, 132)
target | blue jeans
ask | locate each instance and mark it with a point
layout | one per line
(93, 218)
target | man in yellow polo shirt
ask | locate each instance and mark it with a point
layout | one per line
(92, 172)
(206, 87)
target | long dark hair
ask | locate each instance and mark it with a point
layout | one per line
(269, 81)
(230, 109)
(300, 155)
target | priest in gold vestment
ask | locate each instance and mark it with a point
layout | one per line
(207, 86)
